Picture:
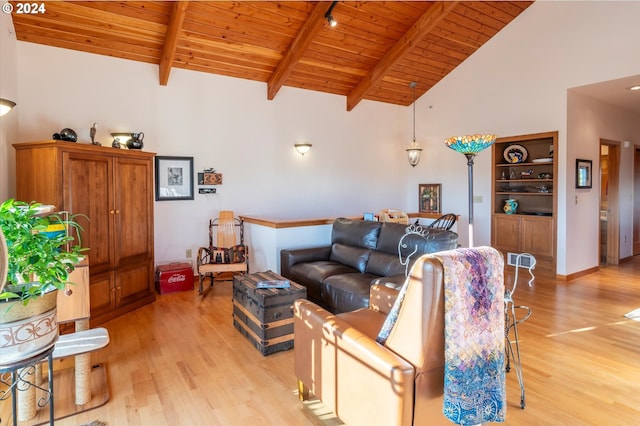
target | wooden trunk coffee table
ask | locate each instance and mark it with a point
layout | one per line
(265, 316)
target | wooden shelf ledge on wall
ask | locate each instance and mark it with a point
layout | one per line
(427, 215)
(296, 223)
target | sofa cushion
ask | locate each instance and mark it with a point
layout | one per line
(384, 264)
(385, 261)
(413, 244)
(311, 274)
(365, 320)
(390, 234)
(440, 240)
(433, 240)
(354, 257)
(355, 233)
(347, 292)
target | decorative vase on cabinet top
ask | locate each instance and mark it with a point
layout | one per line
(136, 141)
(510, 206)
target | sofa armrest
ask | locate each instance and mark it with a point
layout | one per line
(289, 257)
(326, 345)
(382, 298)
(384, 291)
(392, 281)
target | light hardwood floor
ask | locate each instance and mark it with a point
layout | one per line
(179, 361)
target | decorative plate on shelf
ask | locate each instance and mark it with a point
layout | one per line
(515, 154)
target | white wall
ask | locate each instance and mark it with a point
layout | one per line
(266, 243)
(589, 121)
(357, 162)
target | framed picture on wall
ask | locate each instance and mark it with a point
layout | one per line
(583, 173)
(174, 178)
(429, 197)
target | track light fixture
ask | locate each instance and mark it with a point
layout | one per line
(329, 17)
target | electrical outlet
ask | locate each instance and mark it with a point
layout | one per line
(525, 260)
(188, 253)
(477, 198)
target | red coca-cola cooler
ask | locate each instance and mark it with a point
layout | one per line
(174, 277)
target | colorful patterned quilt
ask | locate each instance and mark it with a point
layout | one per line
(474, 381)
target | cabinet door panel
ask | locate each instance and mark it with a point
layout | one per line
(537, 235)
(506, 232)
(102, 288)
(38, 176)
(87, 183)
(133, 283)
(135, 230)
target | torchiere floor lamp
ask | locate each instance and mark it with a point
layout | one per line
(470, 145)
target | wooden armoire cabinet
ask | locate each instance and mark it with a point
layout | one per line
(114, 189)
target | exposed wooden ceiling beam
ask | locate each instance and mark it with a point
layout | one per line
(416, 34)
(298, 47)
(178, 11)
(282, 43)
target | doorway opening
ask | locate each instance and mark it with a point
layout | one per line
(636, 201)
(609, 253)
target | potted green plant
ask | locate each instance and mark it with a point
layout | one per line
(37, 264)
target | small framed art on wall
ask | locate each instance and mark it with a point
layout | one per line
(174, 178)
(429, 197)
(583, 173)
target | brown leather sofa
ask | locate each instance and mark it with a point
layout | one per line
(362, 253)
(338, 360)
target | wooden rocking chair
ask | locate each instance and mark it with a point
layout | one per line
(228, 254)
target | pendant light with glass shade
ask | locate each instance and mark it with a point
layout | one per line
(414, 150)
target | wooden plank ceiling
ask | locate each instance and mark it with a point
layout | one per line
(376, 50)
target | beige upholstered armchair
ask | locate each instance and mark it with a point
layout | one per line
(338, 359)
(400, 381)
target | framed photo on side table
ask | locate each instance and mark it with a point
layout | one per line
(583, 173)
(429, 197)
(174, 178)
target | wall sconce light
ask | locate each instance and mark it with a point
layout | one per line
(329, 17)
(302, 148)
(6, 106)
